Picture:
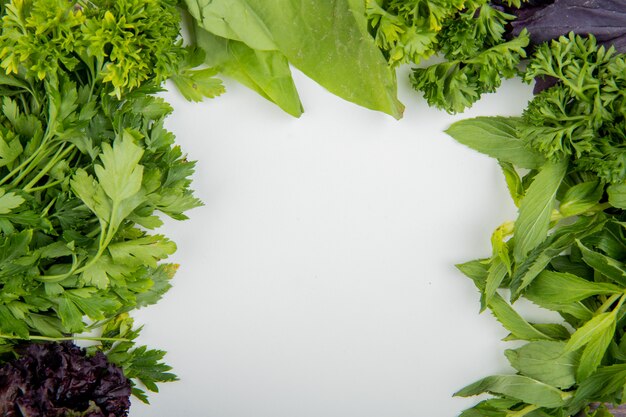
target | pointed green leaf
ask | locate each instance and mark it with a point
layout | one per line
(520, 387)
(533, 223)
(564, 288)
(513, 322)
(592, 329)
(497, 273)
(594, 351)
(496, 137)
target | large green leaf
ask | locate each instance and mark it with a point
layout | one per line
(266, 72)
(520, 387)
(544, 361)
(559, 287)
(533, 223)
(496, 137)
(327, 40)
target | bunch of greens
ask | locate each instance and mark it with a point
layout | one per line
(355, 53)
(87, 169)
(563, 164)
(469, 34)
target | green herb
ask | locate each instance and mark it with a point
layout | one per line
(86, 166)
(565, 251)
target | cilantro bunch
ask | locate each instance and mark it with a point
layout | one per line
(87, 169)
(565, 252)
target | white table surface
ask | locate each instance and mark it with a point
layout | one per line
(318, 280)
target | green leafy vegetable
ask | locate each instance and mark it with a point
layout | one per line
(87, 168)
(336, 52)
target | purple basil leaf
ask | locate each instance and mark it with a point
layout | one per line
(605, 19)
(52, 379)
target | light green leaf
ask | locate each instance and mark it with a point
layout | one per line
(617, 195)
(477, 271)
(120, 175)
(513, 322)
(91, 193)
(520, 387)
(563, 288)
(533, 223)
(235, 19)
(543, 360)
(9, 201)
(95, 275)
(609, 267)
(513, 182)
(143, 251)
(580, 198)
(592, 329)
(497, 273)
(594, 351)
(496, 137)
(326, 40)
(195, 85)
(266, 72)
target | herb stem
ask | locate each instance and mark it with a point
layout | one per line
(60, 154)
(609, 302)
(66, 338)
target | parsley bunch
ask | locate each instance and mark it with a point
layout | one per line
(469, 34)
(582, 117)
(86, 167)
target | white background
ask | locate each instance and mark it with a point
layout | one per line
(318, 280)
